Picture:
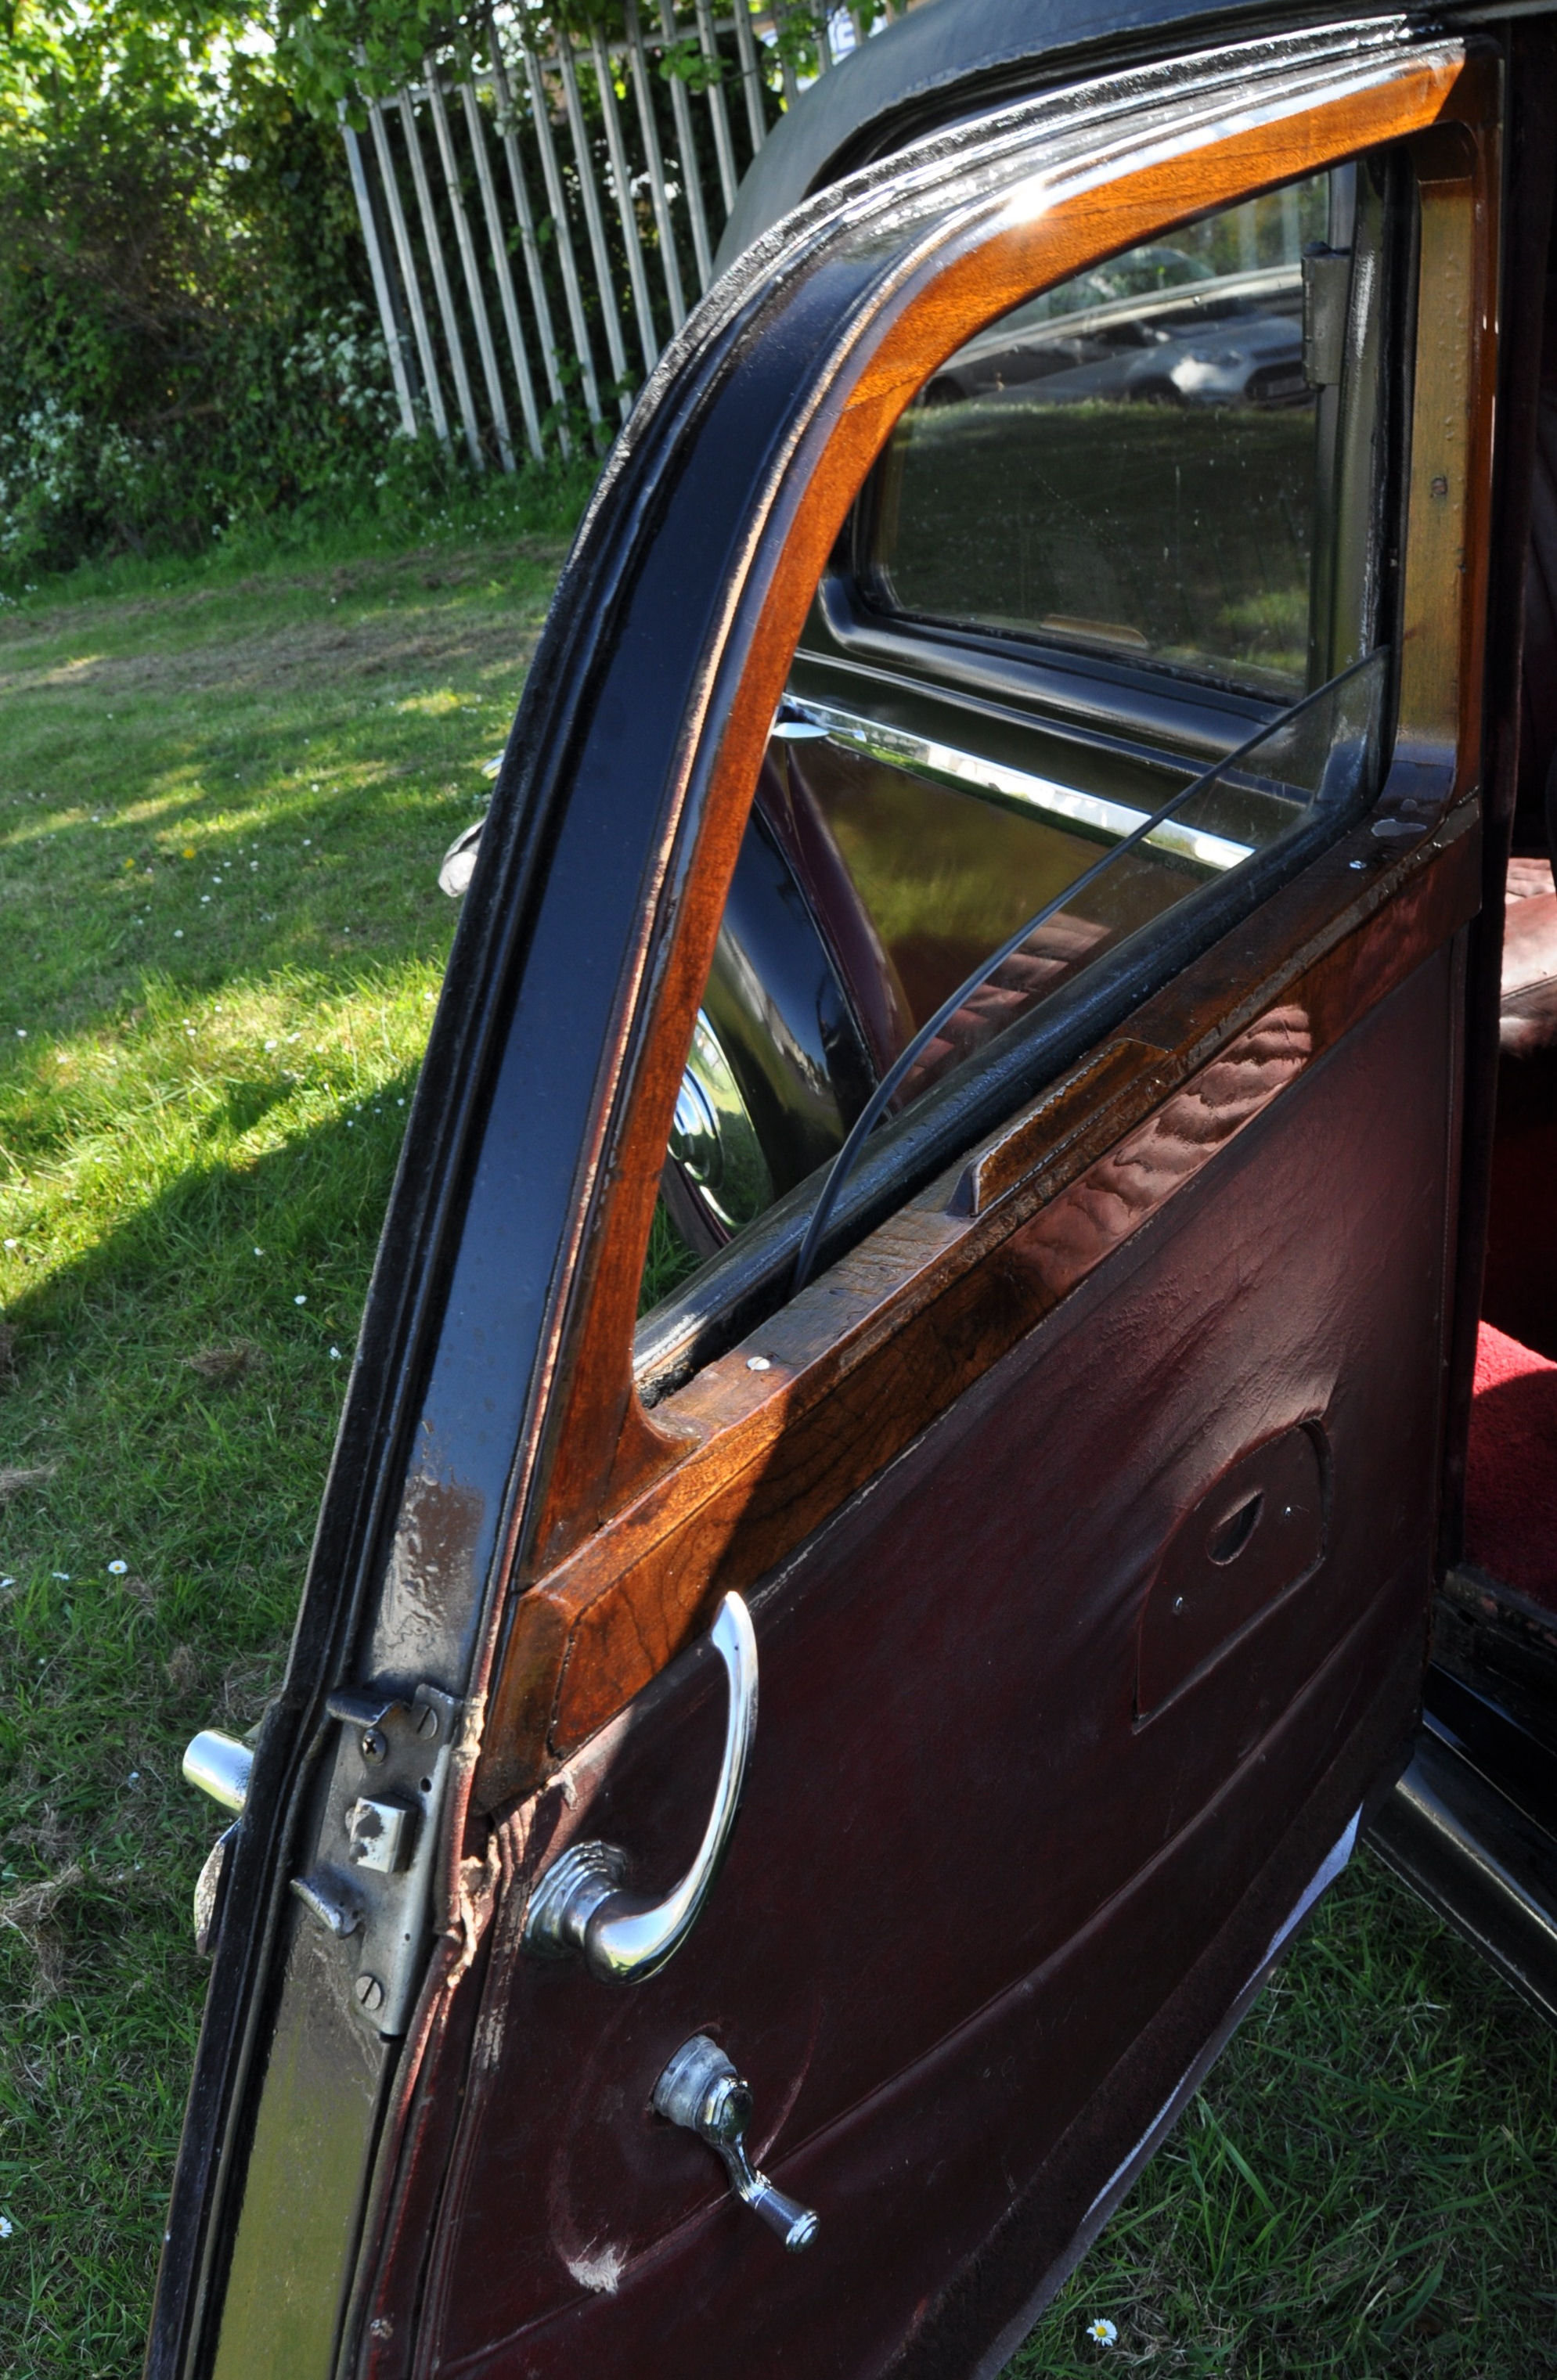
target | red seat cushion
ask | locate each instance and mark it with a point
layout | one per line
(1511, 1478)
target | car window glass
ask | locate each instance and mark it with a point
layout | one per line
(907, 825)
(1126, 463)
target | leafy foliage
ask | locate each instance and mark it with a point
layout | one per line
(187, 336)
(188, 341)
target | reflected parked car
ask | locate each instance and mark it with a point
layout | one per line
(1234, 339)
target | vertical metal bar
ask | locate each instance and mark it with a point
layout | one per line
(557, 201)
(617, 150)
(441, 282)
(500, 267)
(692, 178)
(378, 267)
(824, 24)
(751, 75)
(466, 247)
(723, 147)
(594, 222)
(520, 189)
(409, 279)
(644, 91)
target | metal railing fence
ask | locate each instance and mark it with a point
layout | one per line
(537, 214)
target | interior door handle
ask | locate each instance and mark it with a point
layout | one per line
(580, 1906)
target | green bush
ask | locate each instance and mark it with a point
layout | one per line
(188, 341)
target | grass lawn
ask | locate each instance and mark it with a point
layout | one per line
(221, 805)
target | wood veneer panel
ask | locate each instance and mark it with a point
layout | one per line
(870, 1355)
(606, 1447)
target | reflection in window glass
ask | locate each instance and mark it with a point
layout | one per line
(1147, 465)
(1126, 463)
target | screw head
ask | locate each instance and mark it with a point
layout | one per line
(427, 1724)
(369, 1993)
(373, 1745)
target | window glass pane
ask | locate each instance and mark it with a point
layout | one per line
(960, 868)
(1126, 463)
(885, 873)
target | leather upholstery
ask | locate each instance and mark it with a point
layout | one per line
(1530, 975)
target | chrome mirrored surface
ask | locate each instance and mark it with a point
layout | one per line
(713, 1138)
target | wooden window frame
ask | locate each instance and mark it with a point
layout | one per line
(647, 1517)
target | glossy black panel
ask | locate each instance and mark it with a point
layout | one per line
(784, 1021)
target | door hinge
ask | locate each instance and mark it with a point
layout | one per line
(371, 1887)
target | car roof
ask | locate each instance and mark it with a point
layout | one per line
(952, 57)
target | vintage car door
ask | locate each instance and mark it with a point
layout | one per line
(1079, 1507)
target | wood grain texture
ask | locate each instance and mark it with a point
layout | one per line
(1053, 225)
(871, 1354)
(1449, 497)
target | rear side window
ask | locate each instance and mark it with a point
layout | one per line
(1127, 464)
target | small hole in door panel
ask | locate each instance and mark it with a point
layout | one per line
(1255, 1534)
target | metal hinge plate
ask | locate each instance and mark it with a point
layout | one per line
(371, 1885)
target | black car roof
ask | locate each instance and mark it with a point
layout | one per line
(951, 57)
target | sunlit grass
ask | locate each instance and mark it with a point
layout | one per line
(222, 811)
(221, 815)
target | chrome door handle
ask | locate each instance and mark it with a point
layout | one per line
(580, 1905)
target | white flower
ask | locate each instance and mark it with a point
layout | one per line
(259, 1252)
(21, 1032)
(6, 2227)
(269, 1045)
(300, 1301)
(118, 1569)
(11, 1244)
(1105, 2332)
(63, 1576)
(179, 933)
(334, 1354)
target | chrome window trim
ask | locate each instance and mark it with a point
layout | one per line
(852, 732)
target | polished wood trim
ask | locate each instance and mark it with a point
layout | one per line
(642, 1511)
(869, 1355)
(1449, 499)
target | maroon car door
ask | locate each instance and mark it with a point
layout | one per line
(1074, 1518)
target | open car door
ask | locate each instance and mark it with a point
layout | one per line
(1076, 1515)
